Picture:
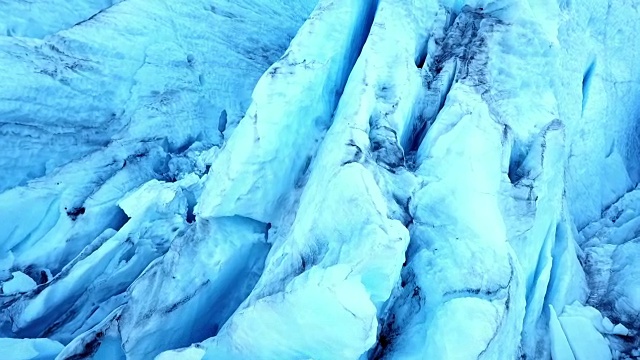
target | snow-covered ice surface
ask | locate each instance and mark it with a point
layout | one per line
(319, 179)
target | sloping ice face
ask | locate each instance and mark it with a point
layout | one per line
(353, 179)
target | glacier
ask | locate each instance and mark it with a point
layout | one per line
(319, 179)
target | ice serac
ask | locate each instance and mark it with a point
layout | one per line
(460, 267)
(611, 246)
(383, 179)
(95, 110)
(282, 127)
(93, 283)
(326, 263)
(169, 305)
(109, 122)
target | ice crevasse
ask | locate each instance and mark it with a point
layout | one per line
(320, 179)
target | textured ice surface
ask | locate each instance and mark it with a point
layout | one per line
(135, 66)
(29, 349)
(319, 179)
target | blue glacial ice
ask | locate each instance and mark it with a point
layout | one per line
(319, 179)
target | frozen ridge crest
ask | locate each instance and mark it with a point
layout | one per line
(319, 179)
